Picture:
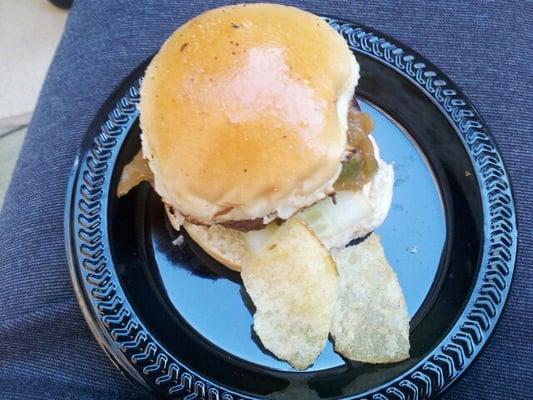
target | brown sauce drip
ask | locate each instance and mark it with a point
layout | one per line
(135, 172)
(361, 165)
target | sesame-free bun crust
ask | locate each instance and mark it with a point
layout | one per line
(244, 113)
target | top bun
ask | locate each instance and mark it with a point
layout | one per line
(244, 113)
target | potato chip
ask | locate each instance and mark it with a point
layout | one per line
(370, 322)
(292, 282)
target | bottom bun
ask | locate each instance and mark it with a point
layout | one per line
(225, 245)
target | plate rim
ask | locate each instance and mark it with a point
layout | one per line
(432, 374)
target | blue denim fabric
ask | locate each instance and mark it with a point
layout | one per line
(46, 349)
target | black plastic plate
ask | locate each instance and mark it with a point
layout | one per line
(179, 324)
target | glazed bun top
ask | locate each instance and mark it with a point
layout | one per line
(244, 113)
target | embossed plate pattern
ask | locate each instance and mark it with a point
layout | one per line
(135, 313)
